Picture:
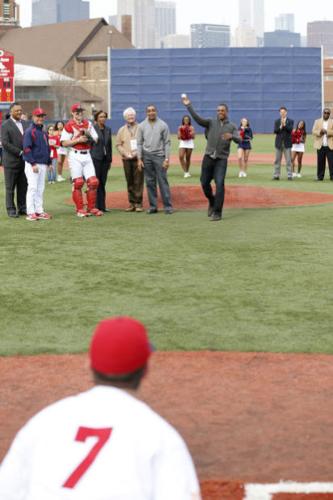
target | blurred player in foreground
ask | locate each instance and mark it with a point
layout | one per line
(102, 444)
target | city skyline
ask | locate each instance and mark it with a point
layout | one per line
(215, 11)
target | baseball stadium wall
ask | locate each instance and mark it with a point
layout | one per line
(254, 82)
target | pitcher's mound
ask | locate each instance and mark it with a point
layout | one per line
(191, 197)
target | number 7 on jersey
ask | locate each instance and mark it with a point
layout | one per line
(83, 433)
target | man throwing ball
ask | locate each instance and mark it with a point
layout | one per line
(102, 444)
(219, 132)
(78, 135)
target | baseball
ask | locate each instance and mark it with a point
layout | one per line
(183, 96)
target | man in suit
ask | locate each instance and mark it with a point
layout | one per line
(323, 143)
(12, 132)
(282, 130)
(101, 153)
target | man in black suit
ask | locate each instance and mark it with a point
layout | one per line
(282, 129)
(101, 153)
(12, 132)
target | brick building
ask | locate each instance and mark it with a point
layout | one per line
(75, 49)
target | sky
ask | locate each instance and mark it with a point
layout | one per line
(216, 11)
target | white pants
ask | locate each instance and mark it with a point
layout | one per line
(36, 185)
(81, 165)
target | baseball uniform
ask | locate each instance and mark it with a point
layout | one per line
(81, 165)
(36, 153)
(102, 444)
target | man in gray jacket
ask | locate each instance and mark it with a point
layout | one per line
(153, 143)
(219, 132)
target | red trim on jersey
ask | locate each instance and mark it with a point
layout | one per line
(77, 129)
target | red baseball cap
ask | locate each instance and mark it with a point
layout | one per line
(77, 107)
(39, 112)
(119, 346)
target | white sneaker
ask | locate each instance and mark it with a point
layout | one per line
(299, 175)
(186, 175)
(294, 174)
(60, 178)
(244, 174)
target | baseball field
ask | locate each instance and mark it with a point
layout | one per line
(240, 312)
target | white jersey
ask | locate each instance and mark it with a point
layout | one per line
(102, 444)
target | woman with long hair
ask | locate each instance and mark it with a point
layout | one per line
(186, 134)
(298, 138)
(62, 152)
(245, 146)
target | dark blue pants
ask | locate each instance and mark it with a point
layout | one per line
(214, 169)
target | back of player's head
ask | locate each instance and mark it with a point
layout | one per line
(119, 351)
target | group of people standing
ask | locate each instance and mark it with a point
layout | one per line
(29, 153)
(290, 142)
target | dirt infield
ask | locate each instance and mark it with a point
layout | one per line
(191, 197)
(247, 417)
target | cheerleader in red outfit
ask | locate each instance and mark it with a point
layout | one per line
(298, 138)
(244, 147)
(186, 134)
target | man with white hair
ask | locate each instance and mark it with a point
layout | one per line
(127, 146)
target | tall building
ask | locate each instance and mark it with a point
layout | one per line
(175, 42)
(165, 18)
(9, 14)
(245, 13)
(245, 36)
(210, 35)
(320, 33)
(285, 22)
(259, 17)
(251, 17)
(282, 38)
(58, 11)
(144, 32)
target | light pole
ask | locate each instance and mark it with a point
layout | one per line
(109, 75)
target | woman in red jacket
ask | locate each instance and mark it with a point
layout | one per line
(186, 134)
(298, 138)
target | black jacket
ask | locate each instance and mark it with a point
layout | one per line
(12, 144)
(103, 149)
(215, 129)
(283, 135)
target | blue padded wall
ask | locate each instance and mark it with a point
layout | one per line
(254, 82)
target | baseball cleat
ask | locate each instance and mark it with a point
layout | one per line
(82, 213)
(96, 212)
(32, 217)
(44, 216)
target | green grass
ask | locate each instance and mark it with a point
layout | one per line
(262, 143)
(261, 280)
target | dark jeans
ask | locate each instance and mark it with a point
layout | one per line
(323, 153)
(214, 169)
(134, 179)
(101, 169)
(155, 173)
(15, 179)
